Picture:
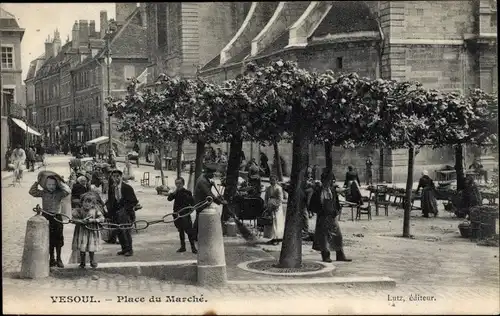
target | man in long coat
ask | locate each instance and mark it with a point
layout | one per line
(120, 204)
(203, 189)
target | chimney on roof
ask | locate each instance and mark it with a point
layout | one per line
(75, 41)
(49, 48)
(92, 33)
(142, 10)
(104, 23)
(84, 32)
(57, 42)
(124, 10)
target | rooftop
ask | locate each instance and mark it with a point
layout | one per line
(7, 20)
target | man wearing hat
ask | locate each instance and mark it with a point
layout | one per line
(120, 204)
(203, 189)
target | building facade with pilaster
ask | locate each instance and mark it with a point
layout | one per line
(12, 94)
(70, 86)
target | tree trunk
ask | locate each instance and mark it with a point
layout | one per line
(162, 175)
(409, 191)
(291, 251)
(329, 159)
(279, 172)
(198, 163)
(232, 174)
(179, 157)
(459, 166)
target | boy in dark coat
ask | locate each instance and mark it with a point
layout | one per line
(183, 198)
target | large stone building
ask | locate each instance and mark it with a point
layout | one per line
(447, 45)
(12, 94)
(184, 36)
(71, 85)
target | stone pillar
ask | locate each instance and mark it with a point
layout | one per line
(35, 261)
(211, 256)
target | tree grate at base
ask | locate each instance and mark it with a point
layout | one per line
(271, 266)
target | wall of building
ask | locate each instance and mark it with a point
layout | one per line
(12, 77)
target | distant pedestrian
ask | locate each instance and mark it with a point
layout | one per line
(369, 170)
(351, 184)
(429, 203)
(30, 159)
(18, 159)
(54, 190)
(87, 237)
(273, 204)
(183, 198)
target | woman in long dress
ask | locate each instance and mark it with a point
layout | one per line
(428, 200)
(353, 193)
(327, 235)
(273, 202)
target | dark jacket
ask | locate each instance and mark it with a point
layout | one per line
(351, 176)
(78, 190)
(425, 182)
(316, 206)
(126, 203)
(182, 198)
(202, 189)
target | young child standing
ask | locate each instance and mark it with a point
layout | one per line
(54, 191)
(85, 239)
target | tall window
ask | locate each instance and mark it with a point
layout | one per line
(128, 71)
(161, 23)
(7, 57)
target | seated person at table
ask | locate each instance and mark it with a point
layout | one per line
(479, 169)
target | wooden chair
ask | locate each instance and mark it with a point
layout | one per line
(251, 209)
(145, 179)
(364, 209)
(381, 199)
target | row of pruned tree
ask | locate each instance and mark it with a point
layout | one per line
(284, 102)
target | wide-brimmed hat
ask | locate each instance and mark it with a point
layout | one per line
(116, 171)
(43, 175)
(210, 168)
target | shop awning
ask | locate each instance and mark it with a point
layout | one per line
(103, 140)
(25, 127)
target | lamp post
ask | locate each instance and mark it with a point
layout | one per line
(108, 61)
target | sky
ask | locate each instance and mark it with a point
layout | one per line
(41, 19)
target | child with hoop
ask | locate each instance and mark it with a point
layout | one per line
(87, 237)
(54, 191)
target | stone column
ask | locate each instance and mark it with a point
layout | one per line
(211, 256)
(35, 261)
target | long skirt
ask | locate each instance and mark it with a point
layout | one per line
(278, 223)
(429, 203)
(86, 240)
(327, 235)
(353, 194)
(56, 237)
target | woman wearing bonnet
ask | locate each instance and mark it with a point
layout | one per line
(428, 200)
